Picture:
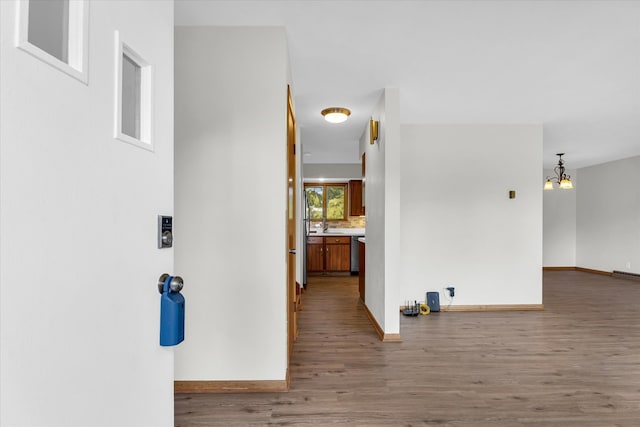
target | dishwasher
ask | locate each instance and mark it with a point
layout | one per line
(355, 255)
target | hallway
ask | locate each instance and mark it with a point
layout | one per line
(575, 364)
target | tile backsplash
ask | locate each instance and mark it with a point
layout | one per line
(351, 222)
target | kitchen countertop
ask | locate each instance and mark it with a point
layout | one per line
(338, 232)
(361, 240)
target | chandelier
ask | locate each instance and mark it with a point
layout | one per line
(561, 178)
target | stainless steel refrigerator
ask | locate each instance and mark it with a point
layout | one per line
(306, 228)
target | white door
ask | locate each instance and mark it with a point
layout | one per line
(79, 263)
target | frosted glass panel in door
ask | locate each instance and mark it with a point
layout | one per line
(49, 27)
(131, 91)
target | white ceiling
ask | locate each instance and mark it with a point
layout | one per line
(572, 65)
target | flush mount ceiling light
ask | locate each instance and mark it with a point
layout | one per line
(335, 114)
(561, 178)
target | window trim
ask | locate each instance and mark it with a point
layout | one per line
(78, 40)
(146, 97)
(324, 186)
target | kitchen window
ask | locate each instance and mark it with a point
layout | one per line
(327, 200)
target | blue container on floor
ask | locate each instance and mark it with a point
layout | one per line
(433, 301)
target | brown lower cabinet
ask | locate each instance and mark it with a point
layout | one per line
(315, 254)
(328, 254)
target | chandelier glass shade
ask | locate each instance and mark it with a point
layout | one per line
(562, 179)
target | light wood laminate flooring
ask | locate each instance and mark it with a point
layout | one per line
(577, 363)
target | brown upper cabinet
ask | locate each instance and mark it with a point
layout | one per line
(364, 178)
(356, 205)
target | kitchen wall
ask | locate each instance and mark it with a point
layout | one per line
(332, 171)
(230, 246)
(79, 306)
(559, 224)
(351, 222)
(608, 216)
(459, 228)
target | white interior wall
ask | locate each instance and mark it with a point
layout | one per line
(374, 212)
(389, 129)
(230, 180)
(459, 227)
(329, 171)
(382, 197)
(608, 216)
(559, 224)
(79, 306)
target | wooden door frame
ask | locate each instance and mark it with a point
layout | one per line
(291, 230)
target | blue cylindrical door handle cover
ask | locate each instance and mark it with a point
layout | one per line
(171, 313)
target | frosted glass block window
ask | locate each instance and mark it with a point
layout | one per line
(55, 31)
(133, 122)
(131, 91)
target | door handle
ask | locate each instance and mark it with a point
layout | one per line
(175, 285)
(292, 251)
